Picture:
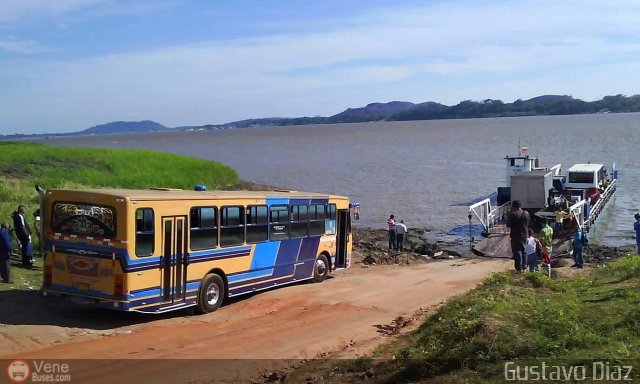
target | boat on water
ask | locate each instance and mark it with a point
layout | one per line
(575, 198)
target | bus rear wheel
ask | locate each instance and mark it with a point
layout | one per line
(211, 293)
(320, 269)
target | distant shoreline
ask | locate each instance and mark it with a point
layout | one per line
(546, 105)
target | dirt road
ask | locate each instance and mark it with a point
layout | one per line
(343, 316)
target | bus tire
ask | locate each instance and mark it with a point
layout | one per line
(320, 269)
(211, 293)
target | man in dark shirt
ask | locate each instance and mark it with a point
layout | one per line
(23, 233)
(5, 253)
(519, 223)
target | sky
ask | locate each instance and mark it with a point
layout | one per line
(67, 65)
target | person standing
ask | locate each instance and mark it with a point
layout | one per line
(559, 221)
(5, 253)
(401, 230)
(531, 249)
(37, 225)
(391, 224)
(23, 232)
(579, 242)
(546, 237)
(636, 227)
(518, 222)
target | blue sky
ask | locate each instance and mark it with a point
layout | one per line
(66, 65)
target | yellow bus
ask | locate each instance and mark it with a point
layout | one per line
(163, 249)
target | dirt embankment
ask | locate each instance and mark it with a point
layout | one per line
(371, 247)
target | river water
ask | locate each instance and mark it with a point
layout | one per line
(424, 172)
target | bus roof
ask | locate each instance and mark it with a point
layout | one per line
(179, 194)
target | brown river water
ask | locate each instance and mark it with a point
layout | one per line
(424, 172)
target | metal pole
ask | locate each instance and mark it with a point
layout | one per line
(470, 236)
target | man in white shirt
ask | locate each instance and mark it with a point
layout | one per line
(401, 229)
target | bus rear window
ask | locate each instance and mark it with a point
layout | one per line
(84, 220)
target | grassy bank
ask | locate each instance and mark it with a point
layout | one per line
(23, 165)
(526, 319)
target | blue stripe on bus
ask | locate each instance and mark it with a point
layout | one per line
(151, 291)
(264, 258)
(236, 251)
(299, 201)
(133, 265)
(276, 201)
(288, 255)
(159, 299)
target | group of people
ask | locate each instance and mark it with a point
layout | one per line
(527, 249)
(397, 231)
(23, 234)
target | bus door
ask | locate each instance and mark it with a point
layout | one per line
(344, 237)
(174, 260)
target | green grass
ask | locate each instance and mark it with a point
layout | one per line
(23, 165)
(524, 318)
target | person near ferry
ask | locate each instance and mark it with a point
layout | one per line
(559, 224)
(546, 237)
(636, 227)
(401, 230)
(5, 253)
(391, 224)
(579, 242)
(532, 247)
(518, 222)
(23, 232)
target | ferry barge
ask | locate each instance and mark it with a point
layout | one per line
(576, 197)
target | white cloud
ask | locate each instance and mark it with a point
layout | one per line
(17, 10)
(12, 44)
(520, 48)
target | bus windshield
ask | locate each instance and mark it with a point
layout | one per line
(84, 219)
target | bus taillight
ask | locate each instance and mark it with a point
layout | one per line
(118, 285)
(48, 274)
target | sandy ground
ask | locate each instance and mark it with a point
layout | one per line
(345, 316)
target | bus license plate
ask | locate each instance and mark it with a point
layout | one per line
(83, 286)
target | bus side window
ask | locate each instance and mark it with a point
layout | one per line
(203, 223)
(231, 226)
(299, 221)
(145, 234)
(317, 217)
(257, 224)
(330, 223)
(278, 222)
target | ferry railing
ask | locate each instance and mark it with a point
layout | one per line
(556, 169)
(597, 208)
(577, 211)
(482, 211)
(487, 216)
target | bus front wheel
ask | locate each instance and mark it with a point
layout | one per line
(211, 293)
(320, 269)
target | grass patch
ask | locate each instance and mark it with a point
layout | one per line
(23, 165)
(525, 318)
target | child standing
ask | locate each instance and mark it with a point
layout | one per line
(531, 250)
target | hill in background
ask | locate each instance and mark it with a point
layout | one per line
(125, 126)
(397, 111)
